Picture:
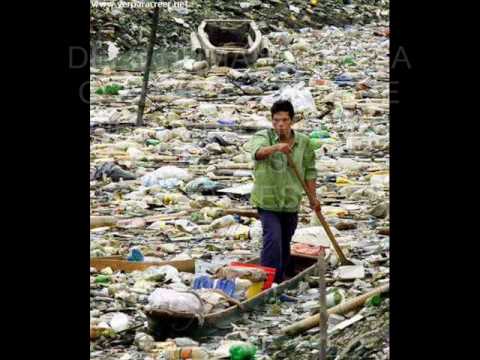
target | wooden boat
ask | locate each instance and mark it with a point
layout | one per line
(234, 43)
(163, 324)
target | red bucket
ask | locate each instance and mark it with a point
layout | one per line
(270, 272)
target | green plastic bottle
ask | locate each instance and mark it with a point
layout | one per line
(374, 301)
(242, 352)
(319, 134)
(153, 142)
(102, 279)
(348, 60)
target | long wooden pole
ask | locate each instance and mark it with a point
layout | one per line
(323, 307)
(312, 321)
(146, 74)
(311, 198)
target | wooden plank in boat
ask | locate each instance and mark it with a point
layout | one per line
(120, 264)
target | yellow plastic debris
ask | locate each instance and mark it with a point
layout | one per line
(254, 289)
(344, 181)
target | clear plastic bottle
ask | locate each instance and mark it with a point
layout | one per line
(223, 222)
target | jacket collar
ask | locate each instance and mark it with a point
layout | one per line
(277, 138)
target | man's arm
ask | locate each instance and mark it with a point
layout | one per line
(266, 151)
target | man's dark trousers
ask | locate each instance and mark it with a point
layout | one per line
(278, 229)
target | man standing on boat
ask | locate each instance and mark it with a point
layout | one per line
(277, 192)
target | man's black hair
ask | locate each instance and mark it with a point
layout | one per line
(282, 105)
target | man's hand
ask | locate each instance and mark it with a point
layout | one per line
(315, 206)
(266, 151)
(283, 147)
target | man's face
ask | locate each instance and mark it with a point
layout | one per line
(282, 123)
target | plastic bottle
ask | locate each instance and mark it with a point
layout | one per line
(334, 298)
(152, 142)
(319, 134)
(226, 122)
(136, 256)
(223, 222)
(102, 279)
(375, 300)
(348, 60)
(195, 353)
(242, 173)
(242, 352)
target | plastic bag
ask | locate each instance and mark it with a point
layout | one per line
(256, 231)
(224, 203)
(208, 109)
(164, 135)
(187, 64)
(119, 322)
(201, 185)
(113, 171)
(163, 173)
(182, 133)
(315, 236)
(300, 97)
(144, 341)
(187, 226)
(212, 300)
(380, 179)
(222, 137)
(282, 38)
(171, 300)
(135, 154)
(349, 164)
(167, 272)
(235, 231)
